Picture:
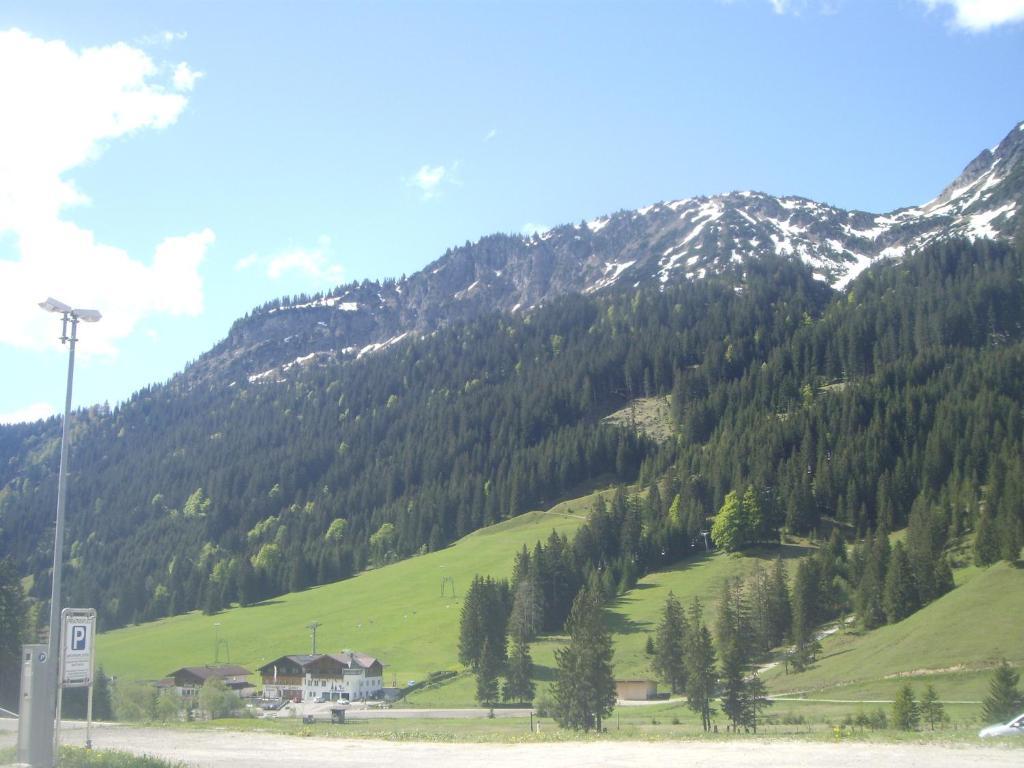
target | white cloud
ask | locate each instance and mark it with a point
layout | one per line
(246, 262)
(185, 77)
(980, 15)
(491, 134)
(529, 228)
(314, 262)
(33, 412)
(164, 38)
(427, 179)
(61, 111)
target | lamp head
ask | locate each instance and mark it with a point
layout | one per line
(52, 305)
(59, 307)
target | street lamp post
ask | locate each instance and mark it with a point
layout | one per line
(72, 316)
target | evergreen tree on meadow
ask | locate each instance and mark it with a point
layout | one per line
(779, 609)
(670, 644)
(1004, 699)
(986, 541)
(932, 711)
(868, 598)
(701, 674)
(906, 714)
(584, 691)
(900, 592)
(804, 601)
(487, 670)
(518, 672)
(485, 615)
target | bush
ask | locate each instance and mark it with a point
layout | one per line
(216, 699)
(544, 704)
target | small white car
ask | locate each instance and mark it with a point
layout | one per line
(1013, 728)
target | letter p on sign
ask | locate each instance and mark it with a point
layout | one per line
(79, 633)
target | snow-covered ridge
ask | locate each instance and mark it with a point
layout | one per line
(329, 301)
(691, 238)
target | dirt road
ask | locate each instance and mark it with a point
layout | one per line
(226, 749)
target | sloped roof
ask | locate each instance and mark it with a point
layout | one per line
(345, 658)
(222, 671)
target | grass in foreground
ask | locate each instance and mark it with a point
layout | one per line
(76, 757)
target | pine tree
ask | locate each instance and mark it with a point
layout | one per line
(527, 610)
(471, 629)
(868, 599)
(779, 609)
(986, 541)
(755, 698)
(701, 675)
(932, 711)
(584, 691)
(487, 670)
(13, 630)
(804, 602)
(669, 646)
(1004, 700)
(518, 672)
(905, 712)
(900, 593)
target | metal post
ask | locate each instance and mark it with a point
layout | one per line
(58, 536)
(88, 718)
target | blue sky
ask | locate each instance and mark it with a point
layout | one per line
(177, 164)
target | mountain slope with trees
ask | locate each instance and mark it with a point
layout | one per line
(896, 401)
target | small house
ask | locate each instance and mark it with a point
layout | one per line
(187, 681)
(636, 690)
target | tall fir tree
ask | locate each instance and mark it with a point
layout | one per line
(487, 670)
(584, 690)
(779, 610)
(670, 642)
(518, 672)
(900, 592)
(1004, 699)
(701, 674)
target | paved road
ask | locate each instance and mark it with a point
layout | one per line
(323, 712)
(226, 749)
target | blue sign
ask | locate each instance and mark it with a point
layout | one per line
(79, 633)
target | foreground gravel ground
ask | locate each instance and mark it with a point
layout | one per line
(227, 749)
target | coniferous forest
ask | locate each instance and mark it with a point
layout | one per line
(895, 402)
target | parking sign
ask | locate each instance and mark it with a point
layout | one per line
(78, 647)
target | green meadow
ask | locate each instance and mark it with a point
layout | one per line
(396, 613)
(406, 615)
(952, 643)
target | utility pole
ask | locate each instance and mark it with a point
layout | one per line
(37, 731)
(313, 626)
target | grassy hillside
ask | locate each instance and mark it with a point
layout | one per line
(951, 643)
(396, 613)
(631, 618)
(399, 614)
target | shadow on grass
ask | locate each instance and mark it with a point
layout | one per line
(544, 673)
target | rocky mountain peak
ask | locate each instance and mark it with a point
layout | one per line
(688, 239)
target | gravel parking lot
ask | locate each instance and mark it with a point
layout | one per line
(226, 749)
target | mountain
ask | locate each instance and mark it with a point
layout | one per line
(436, 405)
(656, 245)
